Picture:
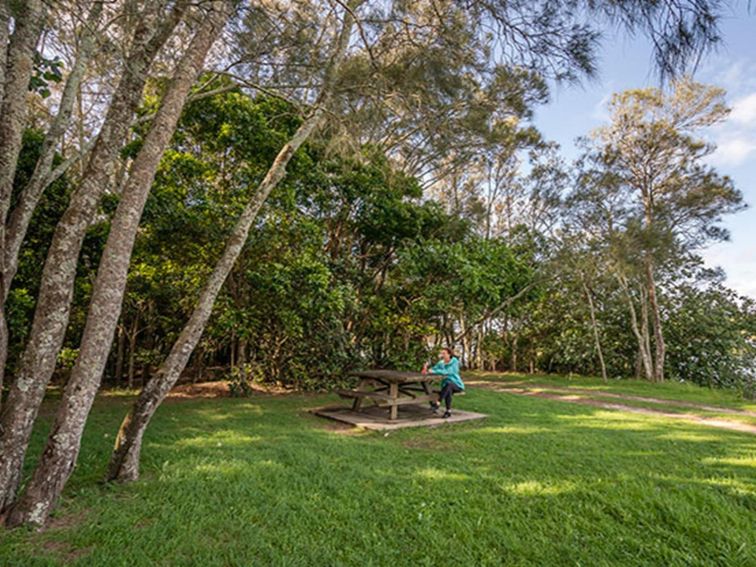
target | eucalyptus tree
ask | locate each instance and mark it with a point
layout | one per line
(124, 464)
(653, 156)
(20, 216)
(61, 451)
(53, 303)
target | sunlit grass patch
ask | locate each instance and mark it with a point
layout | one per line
(219, 439)
(533, 488)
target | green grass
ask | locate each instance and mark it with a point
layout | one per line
(260, 481)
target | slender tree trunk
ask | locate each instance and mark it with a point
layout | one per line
(660, 346)
(124, 463)
(514, 352)
(64, 442)
(242, 352)
(18, 65)
(56, 289)
(644, 331)
(466, 354)
(132, 350)
(643, 351)
(19, 219)
(120, 351)
(594, 325)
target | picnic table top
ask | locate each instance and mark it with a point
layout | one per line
(394, 376)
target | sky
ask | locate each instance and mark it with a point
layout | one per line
(627, 63)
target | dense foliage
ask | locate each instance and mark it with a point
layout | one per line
(351, 264)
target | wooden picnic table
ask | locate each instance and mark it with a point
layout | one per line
(390, 388)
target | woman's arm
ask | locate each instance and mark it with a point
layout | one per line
(436, 368)
(445, 370)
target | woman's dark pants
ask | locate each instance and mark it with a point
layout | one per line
(446, 394)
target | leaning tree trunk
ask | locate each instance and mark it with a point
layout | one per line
(659, 344)
(594, 325)
(4, 33)
(56, 289)
(644, 330)
(643, 351)
(63, 444)
(124, 462)
(19, 219)
(18, 61)
(20, 65)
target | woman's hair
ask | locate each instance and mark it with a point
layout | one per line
(449, 350)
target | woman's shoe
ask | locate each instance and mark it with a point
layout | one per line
(447, 413)
(434, 406)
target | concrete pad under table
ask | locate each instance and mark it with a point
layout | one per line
(409, 416)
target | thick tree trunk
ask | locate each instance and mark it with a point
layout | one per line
(124, 463)
(18, 60)
(63, 444)
(56, 289)
(4, 34)
(594, 325)
(29, 17)
(18, 223)
(659, 345)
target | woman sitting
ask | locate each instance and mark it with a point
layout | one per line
(448, 367)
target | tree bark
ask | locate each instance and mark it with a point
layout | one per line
(18, 66)
(514, 352)
(120, 351)
(124, 462)
(19, 219)
(659, 345)
(132, 350)
(594, 325)
(63, 444)
(4, 34)
(56, 288)
(643, 352)
(644, 331)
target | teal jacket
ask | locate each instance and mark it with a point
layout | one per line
(450, 372)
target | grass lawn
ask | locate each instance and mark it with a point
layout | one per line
(259, 481)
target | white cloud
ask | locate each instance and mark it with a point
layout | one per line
(732, 149)
(738, 263)
(744, 110)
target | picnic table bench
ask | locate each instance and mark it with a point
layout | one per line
(390, 388)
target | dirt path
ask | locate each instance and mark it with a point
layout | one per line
(571, 396)
(601, 394)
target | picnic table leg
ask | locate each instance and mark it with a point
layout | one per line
(394, 393)
(357, 403)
